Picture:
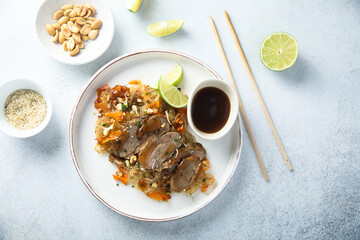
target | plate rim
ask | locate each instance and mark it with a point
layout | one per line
(71, 143)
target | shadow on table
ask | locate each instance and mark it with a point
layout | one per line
(48, 142)
(147, 10)
(299, 74)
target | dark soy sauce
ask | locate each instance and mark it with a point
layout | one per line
(210, 109)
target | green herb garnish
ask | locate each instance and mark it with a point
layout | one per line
(123, 107)
(176, 140)
(138, 123)
(106, 125)
(125, 150)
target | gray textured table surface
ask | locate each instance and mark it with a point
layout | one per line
(315, 106)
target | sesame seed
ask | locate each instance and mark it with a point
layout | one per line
(25, 109)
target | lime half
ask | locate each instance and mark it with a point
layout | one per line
(171, 95)
(164, 28)
(133, 5)
(174, 77)
(279, 51)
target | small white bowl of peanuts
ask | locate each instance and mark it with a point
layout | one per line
(75, 32)
(26, 108)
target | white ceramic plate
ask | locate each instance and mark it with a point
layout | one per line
(96, 171)
(93, 48)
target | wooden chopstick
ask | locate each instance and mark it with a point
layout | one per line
(262, 103)
(241, 106)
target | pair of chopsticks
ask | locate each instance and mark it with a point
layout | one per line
(241, 106)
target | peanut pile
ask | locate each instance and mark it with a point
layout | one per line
(74, 26)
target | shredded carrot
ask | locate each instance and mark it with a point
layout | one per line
(155, 104)
(135, 82)
(123, 178)
(179, 124)
(117, 115)
(204, 188)
(205, 164)
(158, 196)
(209, 180)
(182, 110)
(112, 136)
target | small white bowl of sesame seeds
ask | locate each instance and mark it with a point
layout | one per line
(26, 109)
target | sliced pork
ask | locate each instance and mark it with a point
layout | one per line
(185, 174)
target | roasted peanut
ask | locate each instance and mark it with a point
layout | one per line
(71, 44)
(50, 29)
(76, 37)
(85, 30)
(81, 20)
(58, 14)
(63, 20)
(72, 27)
(75, 51)
(67, 6)
(78, 10)
(65, 30)
(93, 34)
(72, 13)
(67, 12)
(61, 37)
(83, 11)
(78, 26)
(84, 37)
(96, 24)
(55, 37)
(88, 13)
(91, 7)
(56, 26)
(80, 44)
(64, 45)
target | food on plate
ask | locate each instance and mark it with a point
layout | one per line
(25, 109)
(74, 26)
(165, 28)
(133, 5)
(279, 51)
(148, 141)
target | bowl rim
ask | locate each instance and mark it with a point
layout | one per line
(99, 53)
(234, 109)
(49, 109)
(71, 126)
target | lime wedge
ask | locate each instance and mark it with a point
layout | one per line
(174, 77)
(164, 28)
(171, 95)
(279, 51)
(133, 5)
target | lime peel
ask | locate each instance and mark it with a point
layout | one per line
(165, 28)
(171, 95)
(133, 5)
